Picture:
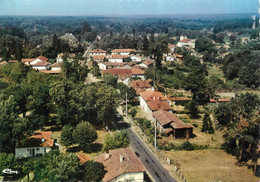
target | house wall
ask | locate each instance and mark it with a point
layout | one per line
(169, 58)
(143, 104)
(134, 58)
(102, 66)
(121, 53)
(56, 68)
(115, 60)
(143, 65)
(39, 67)
(25, 152)
(140, 76)
(97, 53)
(137, 177)
(181, 133)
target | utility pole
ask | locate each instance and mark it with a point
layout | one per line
(126, 104)
(155, 145)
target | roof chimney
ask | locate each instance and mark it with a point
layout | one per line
(43, 140)
(121, 158)
(107, 155)
(153, 98)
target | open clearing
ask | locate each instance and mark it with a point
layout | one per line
(210, 165)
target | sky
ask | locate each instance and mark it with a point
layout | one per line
(125, 7)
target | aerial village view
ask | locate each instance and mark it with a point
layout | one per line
(130, 90)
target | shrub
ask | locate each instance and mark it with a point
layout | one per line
(133, 113)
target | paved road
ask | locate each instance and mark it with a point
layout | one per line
(87, 52)
(154, 167)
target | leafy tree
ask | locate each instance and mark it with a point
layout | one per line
(133, 113)
(95, 70)
(67, 135)
(131, 93)
(207, 124)
(54, 166)
(94, 171)
(106, 103)
(192, 107)
(7, 161)
(15, 72)
(118, 139)
(110, 79)
(27, 168)
(84, 134)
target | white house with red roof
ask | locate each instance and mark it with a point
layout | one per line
(185, 42)
(124, 52)
(38, 144)
(121, 165)
(98, 52)
(136, 58)
(115, 58)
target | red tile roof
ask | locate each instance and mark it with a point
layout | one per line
(98, 57)
(42, 58)
(185, 40)
(115, 56)
(98, 51)
(156, 105)
(27, 60)
(180, 98)
(139, 84)
(148, 62)
(51, 71)
(171, 46)
(178, 55)
(151, 95)
(46, 135)
(41, 64)
(123, 50)
(124, 71)
(83, 158)
(115, 168)
(223, 100)
(212, 100)
(164, 118)
(13, 61)
(137, 71)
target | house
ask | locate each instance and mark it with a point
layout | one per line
(115, 58)
(185, 42)
(56, 67)
(135, 72)
(108, 65)
(13, 61)
(180, 100)
(121, 165)
(38, 144)
(27, 61)
(147, 64)
(170, 58)
(102, 65)
(136, 58)
(98, 57)
(122, 51)
(97, 52)
(169, 124)
(171, 47)
(150, 95)
(41, 65)
(155, 105)
(139, 85)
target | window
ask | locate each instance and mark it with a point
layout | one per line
(37, 149)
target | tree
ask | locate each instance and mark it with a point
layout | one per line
(118, 139)
(192, 108)
(84, 134)
(133, 113)
(110, 79)
(54, 166)
(7, 161)
(207, 124)
(67, 135)
(94, 171)
(27, 168)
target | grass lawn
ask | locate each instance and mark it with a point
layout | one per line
(215, 71)
(210, 165)
(200, 137)
(257, 92)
